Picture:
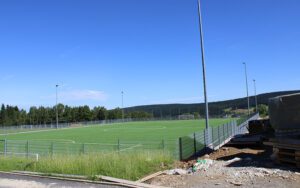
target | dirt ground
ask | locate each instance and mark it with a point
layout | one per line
(235, 167)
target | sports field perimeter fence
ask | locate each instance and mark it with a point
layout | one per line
(46, 148)
(213, 138)
(182, 148)
(26, 128)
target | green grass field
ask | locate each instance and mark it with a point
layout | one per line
(134, 131)
(125, 150)
(132, 136)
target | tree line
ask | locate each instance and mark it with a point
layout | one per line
(12, 115)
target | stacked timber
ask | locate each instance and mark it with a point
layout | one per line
(260, 126)
(286, 151)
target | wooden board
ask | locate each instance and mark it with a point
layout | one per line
(150, 176)
(127, 182)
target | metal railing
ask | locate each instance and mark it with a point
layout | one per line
(47, 148)
(213, 138)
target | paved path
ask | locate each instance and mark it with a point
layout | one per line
(19, 181)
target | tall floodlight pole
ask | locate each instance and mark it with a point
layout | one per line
(254, 81)
(56, 107)
(247, 88)
(203, 67)
(122, 106)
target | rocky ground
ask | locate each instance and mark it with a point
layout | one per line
(232, 167)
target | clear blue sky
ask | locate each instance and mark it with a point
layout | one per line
(149, 48)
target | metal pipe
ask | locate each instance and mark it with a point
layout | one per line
(203, 67)
(247, 88)
(56, 108)
(256, 109)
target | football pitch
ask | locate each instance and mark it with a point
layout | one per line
(117, 137)
(111, 133)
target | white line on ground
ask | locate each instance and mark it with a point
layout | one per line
(135, 146)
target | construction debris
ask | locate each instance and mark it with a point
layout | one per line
(233, 160)
(202, 164)
(230, 167)
(150, 176)
(236, 183)
(177, 171)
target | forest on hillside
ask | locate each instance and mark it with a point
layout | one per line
(12, 115)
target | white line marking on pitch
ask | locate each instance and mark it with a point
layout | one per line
(135, 146)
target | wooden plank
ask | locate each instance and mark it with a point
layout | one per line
(284, 146)
(127, 182)
(52, 174)
(287, 160)
(289, 141)
(269, 143)
(150, 176)
(286, 153)
(65, 179)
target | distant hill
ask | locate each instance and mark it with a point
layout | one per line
(216, 109)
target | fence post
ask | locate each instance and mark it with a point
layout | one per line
(223, 132)
(180, 149)
(83, 148)
(195, 144)
(5, 147)
(205, 142)
(118, 144)
(227, 131)
(219, 135)
(27, 148)
(212, 137)
(52, 149)
(163, 144)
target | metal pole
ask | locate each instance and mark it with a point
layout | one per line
(247, 88)
(203, 67)
(56, 108)
(122, 106)
(255, 95)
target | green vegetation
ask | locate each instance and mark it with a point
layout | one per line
(12, 115)
(131, 166)
(263, 110)
(216, 109)
(133, 136)
(132, 131)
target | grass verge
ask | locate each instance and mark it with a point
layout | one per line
(131, 166)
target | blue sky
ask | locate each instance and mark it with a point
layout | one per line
(150, 49)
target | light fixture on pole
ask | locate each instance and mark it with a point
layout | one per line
(256, 109)
(203, 67)
(247, 88)
(56, 106)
